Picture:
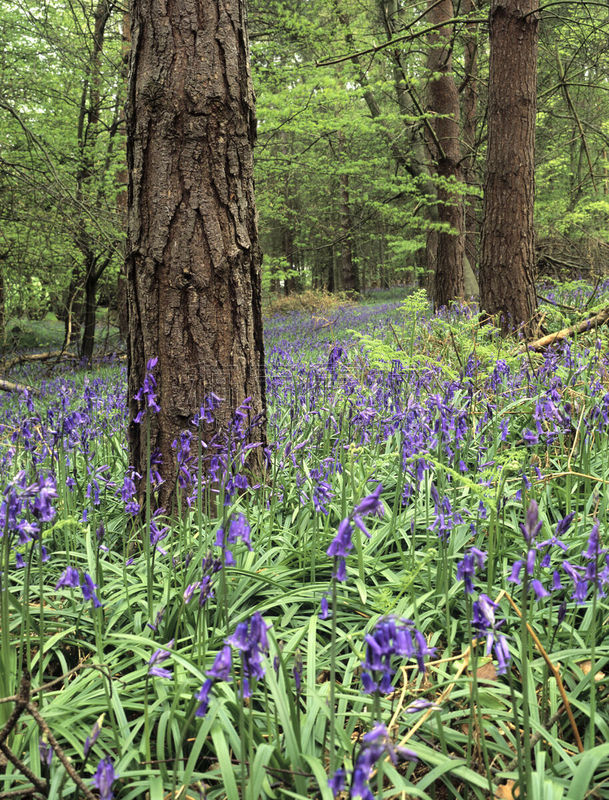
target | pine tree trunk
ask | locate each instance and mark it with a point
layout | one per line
(350, 277)
(470, 111)
(90, 308)
(446, 152)
(507, 262)
(193, 260)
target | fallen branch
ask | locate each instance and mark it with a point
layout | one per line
(38, 357)
(595, 321)
(11, 386)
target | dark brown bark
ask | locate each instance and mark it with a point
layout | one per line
(350, 277)
(90, 307)
(122, 178)
(193, 260)
(507, 263)
(470, 112)
(446, 152)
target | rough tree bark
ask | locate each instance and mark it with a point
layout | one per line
(469, 95)
(446, 153)
(193, 260)
(507, 260)
(349, 271)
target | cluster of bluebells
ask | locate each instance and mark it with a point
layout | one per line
(147, 392)
(70, 578)
(24, 507)
(238, 529)
(594, 574)
(104, 778)
(250, 639)
(376, 744)
(446, 518)
(484, 621)
(209, 567)
(159, 657)
(487, 626)
(342, 544)
(391, 636)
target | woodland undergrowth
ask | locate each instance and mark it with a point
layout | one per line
(408, 602)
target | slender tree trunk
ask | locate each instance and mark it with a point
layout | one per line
(507, 263)
(2, 309)
(446, 152)
(87, 135)
(90, 307)
(348, 268)
(470, 112)
(73, 311)
(193, 260)
(122, 178)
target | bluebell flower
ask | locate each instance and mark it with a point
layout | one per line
(391, 636)
(92, 738)
(157, 658)
(88, 590)
(104, 778)
(46, 752)
(251, 640)
(486, 625)
(466, 568)
(375, 744)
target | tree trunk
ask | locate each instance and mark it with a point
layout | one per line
(193, 260)
(350, 277)
(88, 123)
(507, 263)
(446, 153)
(470, 111)
(122, 179)
(73, 309)
(90, 307)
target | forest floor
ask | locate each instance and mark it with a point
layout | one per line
(409, 602)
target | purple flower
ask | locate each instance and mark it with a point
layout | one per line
(539, 589)
(158, 657)
(533, 524)
(203, 698)
(325, 612)
(147, 392)
(594, 542)
(46, 752)
(221, 668)
(88, 590)
(485, 625)
(466, 568)
(46, 491)
(529, 437)
(342, 542)
(95, 731)
(104, 778)
(370, 504)
(337, 782)
(69, 578)
(375, 744)
(297, 672)
(391, 636)
(251, 640)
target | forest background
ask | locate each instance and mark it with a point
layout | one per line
(347, 185)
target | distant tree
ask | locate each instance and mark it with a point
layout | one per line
(445, 147)
(193, 261)
(507, 263)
